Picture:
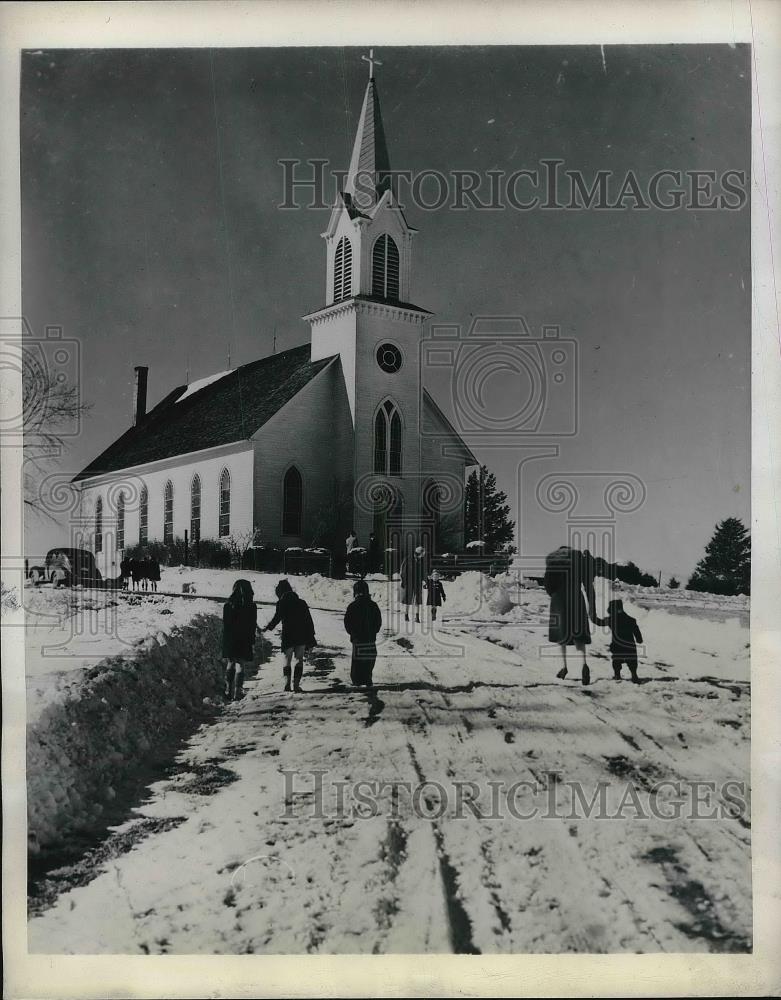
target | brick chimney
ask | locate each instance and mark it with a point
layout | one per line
(139, 394)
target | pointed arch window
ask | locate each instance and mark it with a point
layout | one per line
(292, 502)
(385, 268)
(343, 270)
(225, 504)
(388, 440)
(195, 508)
(99, 524)
(168, 513)
(120, 522)
(143, 516)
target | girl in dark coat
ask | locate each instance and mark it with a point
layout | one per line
(435, 595)
(363, 620)
(414, 570)
(298, 631)
(239, 622)
(568, 572)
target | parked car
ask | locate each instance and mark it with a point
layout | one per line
(68, 566)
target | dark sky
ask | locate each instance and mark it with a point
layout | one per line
(151, 232)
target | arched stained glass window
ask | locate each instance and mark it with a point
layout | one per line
(143, 516)
(388, 436)
(292, 502)
(99, 524)
(225, 504)
(120, 521)
(195, 508)
(168, 513)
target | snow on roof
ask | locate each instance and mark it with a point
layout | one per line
(201, 383)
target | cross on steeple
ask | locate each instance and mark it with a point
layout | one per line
(372, 62)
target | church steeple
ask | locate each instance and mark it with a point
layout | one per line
(369, 174)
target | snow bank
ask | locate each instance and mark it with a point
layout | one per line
(120, 712)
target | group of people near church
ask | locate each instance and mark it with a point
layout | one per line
(362, 622)
(142, 574)
(569, 581)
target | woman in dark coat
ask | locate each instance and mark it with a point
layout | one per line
(568, 573)
(414, 570)
(239, 623)
(363, 620)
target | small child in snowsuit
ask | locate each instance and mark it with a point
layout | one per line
(436, 593)
(624, 632)
(363, 620)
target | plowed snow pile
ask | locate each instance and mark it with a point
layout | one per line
(117, 713)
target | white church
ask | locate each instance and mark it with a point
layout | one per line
(300, 446)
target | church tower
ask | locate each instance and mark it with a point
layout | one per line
(370, 322)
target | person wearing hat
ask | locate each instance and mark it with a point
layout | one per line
(414, 571)
(363, 620)
(435, 593)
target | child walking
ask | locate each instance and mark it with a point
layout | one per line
(298, 631)
(624, 631)
(239, 623)
(363, 620)
(436, 593)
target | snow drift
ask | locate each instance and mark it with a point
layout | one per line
(121, 711)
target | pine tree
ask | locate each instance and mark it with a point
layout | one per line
(726, 568)
(472, 513)
(487, 513)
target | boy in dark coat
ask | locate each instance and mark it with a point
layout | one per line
(363, 620)
(624, 632)
(239, 623)
(298, 630)
(435, 593)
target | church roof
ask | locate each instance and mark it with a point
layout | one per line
(225, 409)
(368, 176)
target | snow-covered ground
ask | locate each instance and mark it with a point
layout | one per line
(233, 853)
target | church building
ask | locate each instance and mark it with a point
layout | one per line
(300, 446)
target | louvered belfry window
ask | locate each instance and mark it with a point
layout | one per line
(343, 270)
(385, 268)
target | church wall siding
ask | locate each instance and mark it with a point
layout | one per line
(180, 472)
(314, 433)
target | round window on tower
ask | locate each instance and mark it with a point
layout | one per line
(389, 358)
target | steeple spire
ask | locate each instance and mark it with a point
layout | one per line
(369, 175)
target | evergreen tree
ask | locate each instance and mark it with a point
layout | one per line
(674, 583)
(472, 518)
(631, 573)
(726, 568)
(487, 513)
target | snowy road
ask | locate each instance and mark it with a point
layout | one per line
(230, 855)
